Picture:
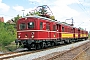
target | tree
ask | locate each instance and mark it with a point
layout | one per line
(27, 14)
(17, 18)
(7, 34)
(34, 13)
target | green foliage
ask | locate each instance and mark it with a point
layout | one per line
(17, 18)
(27, 14)
(35, 13)
(89, 34)
(7, 34)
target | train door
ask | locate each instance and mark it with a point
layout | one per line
(74, 32)
(78, 33)
(48, 29)
(58, 31)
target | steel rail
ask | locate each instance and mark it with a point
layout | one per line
(15, 54)
(77, 56)
(65, 52)
(12, 55)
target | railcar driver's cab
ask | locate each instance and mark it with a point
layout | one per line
(25, 26)
(31, 25)
(22, 26)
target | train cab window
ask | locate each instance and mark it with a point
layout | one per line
(30, 25)
(22, 26)
(54, 27)
(62, 29)
(41, 25)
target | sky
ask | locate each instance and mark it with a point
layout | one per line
(79, 10)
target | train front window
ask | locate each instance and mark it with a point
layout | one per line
(30, 25)
(22, 26)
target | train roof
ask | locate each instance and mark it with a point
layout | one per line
(58, 22)
(35, 16)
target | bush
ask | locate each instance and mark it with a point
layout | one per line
(7, 34)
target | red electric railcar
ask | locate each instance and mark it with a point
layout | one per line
(40, 32)
(35, 31)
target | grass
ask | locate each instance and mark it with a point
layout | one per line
(3, 49)
(9, 48)
(89, 36)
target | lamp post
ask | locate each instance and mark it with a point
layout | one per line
(23, 12)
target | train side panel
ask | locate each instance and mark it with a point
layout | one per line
(67, 32)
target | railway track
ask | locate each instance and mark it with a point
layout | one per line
(21, 53)
(15, 54)
(72, 54)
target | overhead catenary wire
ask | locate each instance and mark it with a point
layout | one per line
(84, 10)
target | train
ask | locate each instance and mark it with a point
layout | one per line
(37, 32)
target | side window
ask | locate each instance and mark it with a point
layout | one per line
(54, 27)
(62, 29)
(78, 31)
(30, 25)
(72, 30)
(41, 25)
(67, 29)
(22, 26)
(47, 26)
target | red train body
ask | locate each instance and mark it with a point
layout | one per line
(39, 32)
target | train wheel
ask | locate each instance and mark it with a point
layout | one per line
(38, 46)
(70, 41)
(33, 46)
(42, 45)
(28, 47)
(48, 44)
(52, 43)
(67, 41)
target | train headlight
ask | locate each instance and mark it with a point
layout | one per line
(32, 36)
(26, 36)
(19, 36)
(32, 33)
